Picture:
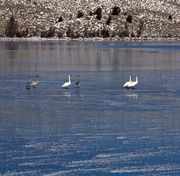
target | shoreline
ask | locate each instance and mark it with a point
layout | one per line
(124, 39)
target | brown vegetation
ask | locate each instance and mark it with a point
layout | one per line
(11, 27)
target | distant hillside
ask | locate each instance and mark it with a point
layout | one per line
(89, 18)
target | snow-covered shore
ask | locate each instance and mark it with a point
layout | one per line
(91, 39)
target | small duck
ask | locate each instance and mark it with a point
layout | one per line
(28, 85)
(34, 83)
(31, 84)
(78, 82)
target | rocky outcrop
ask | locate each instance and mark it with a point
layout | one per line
(89, 18)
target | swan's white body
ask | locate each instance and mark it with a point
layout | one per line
(128, 83)
(66, 85)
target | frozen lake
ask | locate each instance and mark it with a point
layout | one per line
(100, 129)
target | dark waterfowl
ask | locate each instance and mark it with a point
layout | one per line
(31, 84)
(78, 82)
(28, 85)
(34, 83)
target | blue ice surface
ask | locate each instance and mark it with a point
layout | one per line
(100, 129)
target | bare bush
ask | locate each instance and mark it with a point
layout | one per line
(48, 33)
(60, 19)
(170, 17)
(98, 13)
(116, 10)
(22, 32)
(11, 27)
(129, 19)
(105, 33)
(108, 20)
(80, 14)
(141, 28)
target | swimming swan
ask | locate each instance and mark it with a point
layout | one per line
(128, 83)
(134, 83)
(66, 85)
(131, 84)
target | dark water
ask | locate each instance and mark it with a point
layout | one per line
(99, 129)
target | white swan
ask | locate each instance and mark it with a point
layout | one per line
(66, 85)
(128, 83)
(134, 83)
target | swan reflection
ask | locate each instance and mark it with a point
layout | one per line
(67, 94)
(131, 95)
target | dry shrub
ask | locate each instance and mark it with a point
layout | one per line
(11, 27)
(98, 13)
(108, 20)
(116, 10)
(48, 33)
(80, 14)
(129, 19)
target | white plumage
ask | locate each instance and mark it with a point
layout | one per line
(66, 85)
(134, 83)
(128, 83)
(34, 83)
(131, 84)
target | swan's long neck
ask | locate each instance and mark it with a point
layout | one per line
(130, 78)
(137, 79)
(69, 78)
